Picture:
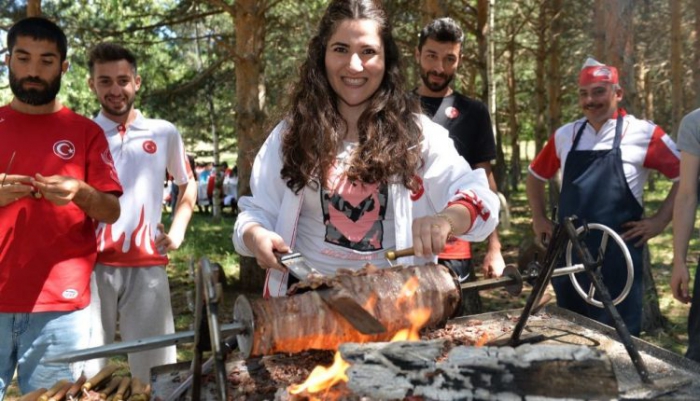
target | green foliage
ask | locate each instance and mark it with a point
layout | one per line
(173, 48)
(187, 62)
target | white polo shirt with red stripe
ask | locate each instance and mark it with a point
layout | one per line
(142, 153)
(644, 145)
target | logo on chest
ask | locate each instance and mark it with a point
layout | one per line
(150, 147)
(451, 113)
(64, 149)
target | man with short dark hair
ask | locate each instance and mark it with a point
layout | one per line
(130, 275)
(438, 54)
(57, 180)
(605, 158)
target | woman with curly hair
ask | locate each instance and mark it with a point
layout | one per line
(354, 169)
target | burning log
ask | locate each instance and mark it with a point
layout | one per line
(401, 369)
(303, 321)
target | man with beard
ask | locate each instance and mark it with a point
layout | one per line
(605, 158)
(130, 275)
(438, 54)
(57, 180)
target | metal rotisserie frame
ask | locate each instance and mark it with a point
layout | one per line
(675, 377)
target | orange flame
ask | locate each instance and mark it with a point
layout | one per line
(482, 340)
(407, 292)
(418, 318)
(371, 301)
(322, 378)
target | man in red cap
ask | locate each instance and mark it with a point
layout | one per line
(605, 158)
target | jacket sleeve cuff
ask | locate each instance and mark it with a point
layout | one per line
(470, 208)
(471, 201)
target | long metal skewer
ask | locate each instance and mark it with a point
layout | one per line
(7, 170)
(142, 345)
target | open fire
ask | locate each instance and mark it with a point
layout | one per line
(303, 321)
(288, 333)
(323, 378)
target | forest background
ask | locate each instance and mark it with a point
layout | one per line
(220, 70)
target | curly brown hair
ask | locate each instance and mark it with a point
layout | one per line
(388, 130)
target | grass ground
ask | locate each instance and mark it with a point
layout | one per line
(213, 240)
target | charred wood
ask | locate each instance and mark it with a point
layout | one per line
(415, 369)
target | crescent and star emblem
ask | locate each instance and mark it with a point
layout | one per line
(150, 147)
(64, 149)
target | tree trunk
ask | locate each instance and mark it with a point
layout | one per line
(599, 17)
(676, 67)
(540, 68)
(554, 72)
(433, 9)
(513, 126)
(652, 318)
(218, 178)
(249, 22)
(484, 36)
(33, 8)
(648, 94)
(642, 71)
(500, 173)
(482, 40)
(619, 47)
(696, 58)
(218, 172)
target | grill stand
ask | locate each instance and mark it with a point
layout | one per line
(207, 335)
(564, 232)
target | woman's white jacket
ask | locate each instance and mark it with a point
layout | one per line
(445, 175)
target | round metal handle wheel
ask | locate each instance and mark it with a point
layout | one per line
(608, 234)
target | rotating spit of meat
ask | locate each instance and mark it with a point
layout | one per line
(304, 321)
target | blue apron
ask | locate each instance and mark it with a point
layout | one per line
(594, 189)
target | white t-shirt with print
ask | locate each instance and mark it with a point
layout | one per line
(347, 224)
